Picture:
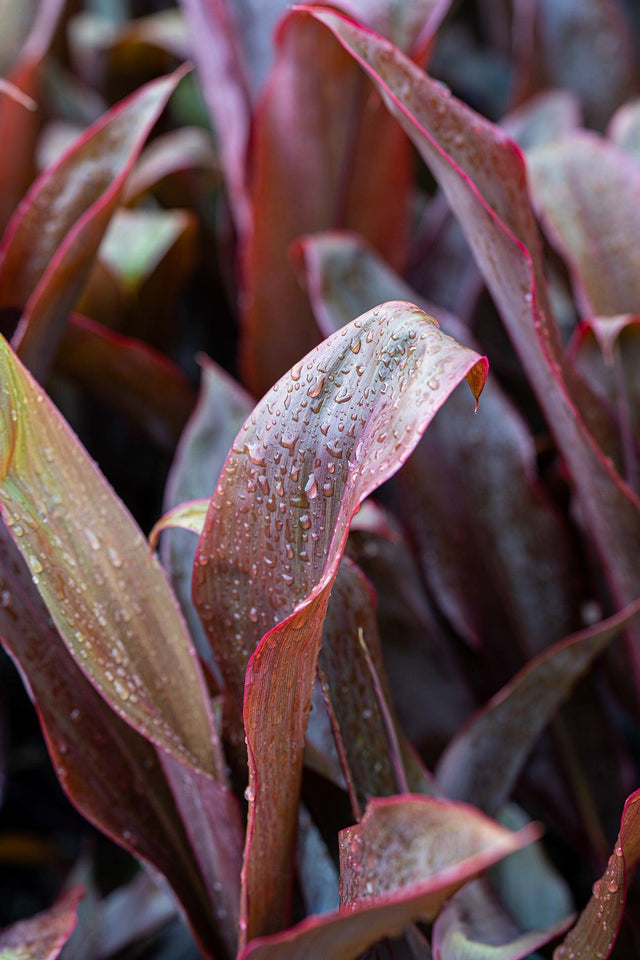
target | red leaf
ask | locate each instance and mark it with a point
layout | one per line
(19, 126)
(335, 427)
(129, 376)
(483, 175)
(42, 937)
(52, 239)
(112, 605)
(482, 764)
(406, 857)
(319, 136)
(588, 191)
(596, 931)
(110, 772)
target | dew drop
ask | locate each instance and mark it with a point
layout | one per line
(253, 615)
(249, 795)
(35, 564)
(311, 488)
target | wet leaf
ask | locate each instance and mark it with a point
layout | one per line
(335, 427)
(112, 605)
(51, 242)
(376, 758)
(19, 126)
(42, 937)
(400, 863)
(482, 764)
(491, 549)
(110, 772)
(483, 176)
(596, 931)
(587, 189)
(474, 927)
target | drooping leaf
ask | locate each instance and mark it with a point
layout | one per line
(400, 863)
(491, 554)
(128, 376)
(42, 937)
(334, 428)
(596, 931)
(464, 152)
(113, 607)
(110, 772)
(482, 764)
(473, 927)
(587, 189)
(50, 244)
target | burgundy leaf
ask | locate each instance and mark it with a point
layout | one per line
(130, 377)
(493, 553)
(108, 770)
(372, 748)
(218, 59)
(321, 137)
(19, 126)
(109, 600)
(334, 428)
(42, 937)
(596, 931)
(482, 764)
(483, 175)
(50, 244)
(406, 857)
(588, 191)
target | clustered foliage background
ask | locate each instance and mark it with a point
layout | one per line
(481, 552)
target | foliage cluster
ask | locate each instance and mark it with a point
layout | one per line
(378, 694)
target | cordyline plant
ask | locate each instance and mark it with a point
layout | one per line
(342, 721)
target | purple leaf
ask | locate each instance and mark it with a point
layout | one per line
(482, 764)
(406, 857)
(596, 931)
(588, 191)
(42, 937)
(112, 604)
(51, 242)
(483, 175)
(335, 427)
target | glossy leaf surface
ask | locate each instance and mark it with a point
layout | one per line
(335, 427)
(482, 764)
(42, 937)
(596, 931)
(483, 176)
(110, 772)
(51, 241)
(82, 546)
(490, 549)
(405, 858)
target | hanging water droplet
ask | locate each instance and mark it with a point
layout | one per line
(311, 488)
